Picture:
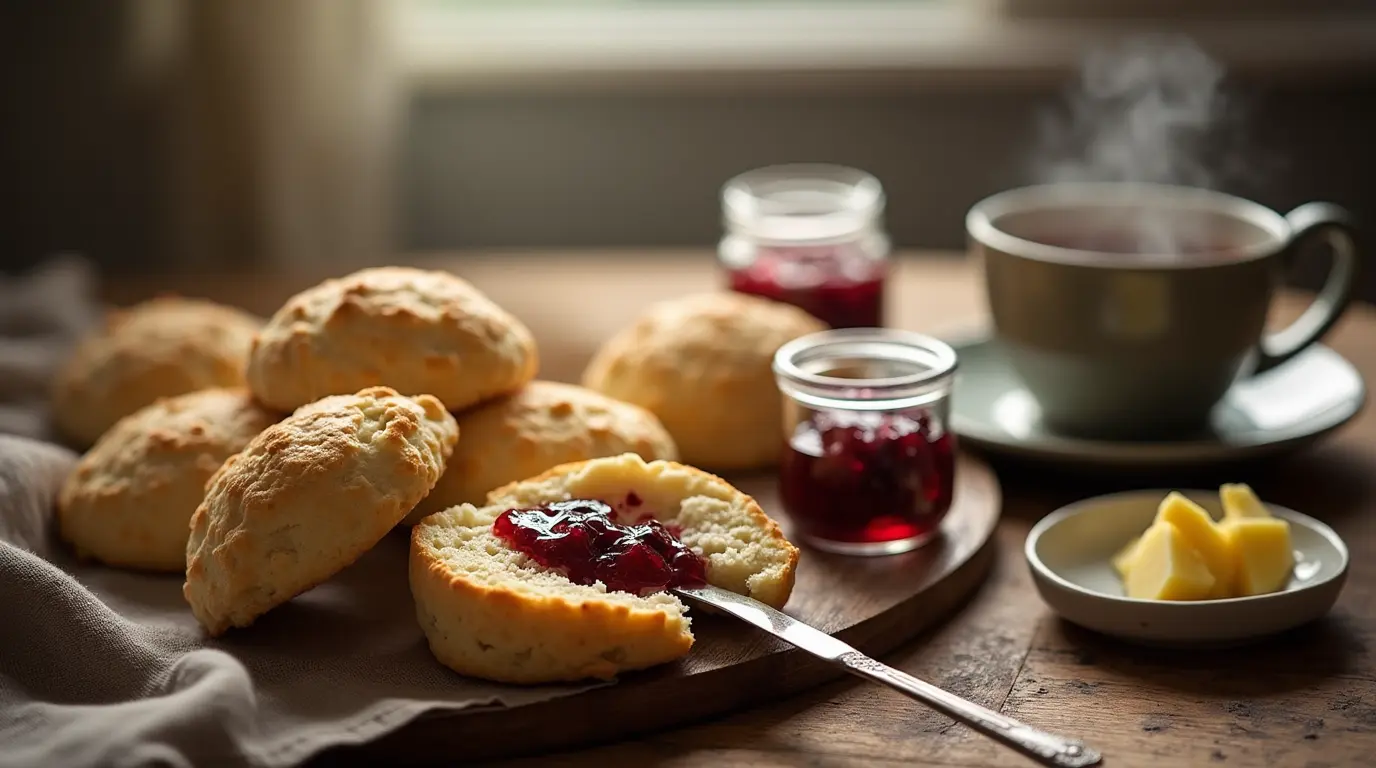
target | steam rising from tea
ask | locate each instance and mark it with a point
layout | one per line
(1152, 110)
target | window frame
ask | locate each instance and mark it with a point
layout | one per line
(454, 44)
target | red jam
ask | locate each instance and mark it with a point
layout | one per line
(835, 284)
(582, 539)
(868, 478)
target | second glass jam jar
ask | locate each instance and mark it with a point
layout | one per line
(869, 460)
(811, 236)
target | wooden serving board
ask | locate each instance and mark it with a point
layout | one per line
(873, 603)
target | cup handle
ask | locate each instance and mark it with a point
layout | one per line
(1310, 223)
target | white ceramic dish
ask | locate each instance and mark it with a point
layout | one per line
(1069, 552)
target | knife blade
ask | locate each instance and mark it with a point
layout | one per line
(1039, 745)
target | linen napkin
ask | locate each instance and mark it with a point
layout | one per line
(102, 667)
(42, 314)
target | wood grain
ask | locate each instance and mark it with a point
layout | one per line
(1306, 698)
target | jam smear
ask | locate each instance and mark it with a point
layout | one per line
(582, 539)
(864, 478)
(841, 288)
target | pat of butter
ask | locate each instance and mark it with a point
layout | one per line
(1185, 551)
(1197, 528)
(1261, 552)
(1240, 502)
(1166, 567)
(1122, 562)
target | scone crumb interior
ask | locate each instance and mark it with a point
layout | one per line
(492, 612)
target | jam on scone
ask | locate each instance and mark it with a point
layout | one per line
(582, 539)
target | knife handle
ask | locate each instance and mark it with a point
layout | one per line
(1040, 745)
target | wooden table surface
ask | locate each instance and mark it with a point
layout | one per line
(1307, 698)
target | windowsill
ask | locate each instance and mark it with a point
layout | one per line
(864, 44)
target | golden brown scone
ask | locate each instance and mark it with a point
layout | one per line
(160, 348)
(542, 426)
(703, 365)
(416, 331)
(490, 611)
(130, 498)
(307, 497)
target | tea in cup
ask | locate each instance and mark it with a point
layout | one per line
(1129, 310)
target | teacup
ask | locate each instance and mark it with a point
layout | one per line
(1130, 309)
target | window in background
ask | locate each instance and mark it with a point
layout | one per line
(485, 42)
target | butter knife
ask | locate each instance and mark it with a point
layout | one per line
(1043, 747)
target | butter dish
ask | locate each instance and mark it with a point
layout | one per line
(1070, 554)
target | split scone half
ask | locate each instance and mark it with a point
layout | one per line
(493, 612)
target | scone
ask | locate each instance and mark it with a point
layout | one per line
(130, 498)
(160, 348)
(416, 331)
(543, 425)
(307, 497)
(493, 612)
(702, 364)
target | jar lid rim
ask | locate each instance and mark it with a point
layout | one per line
(802, 201)
(938, 357)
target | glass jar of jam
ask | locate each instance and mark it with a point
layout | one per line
(869, 462)
(811, 236)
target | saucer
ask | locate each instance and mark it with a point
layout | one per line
(1279, 411)
(1070, 553)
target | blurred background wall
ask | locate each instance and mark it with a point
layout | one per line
(162, 135)
(489, 170)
